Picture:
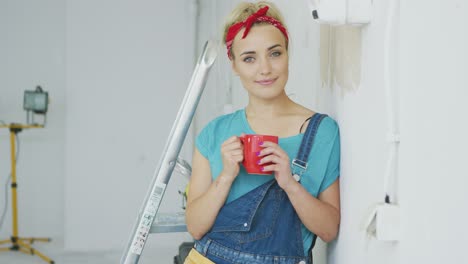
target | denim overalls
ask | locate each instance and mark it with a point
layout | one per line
(261, 227)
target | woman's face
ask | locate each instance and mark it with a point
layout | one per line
(261, 61)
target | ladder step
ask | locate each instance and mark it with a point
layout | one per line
(169, 223)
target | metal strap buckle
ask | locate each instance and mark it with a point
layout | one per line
(294, 162)
(298, 169)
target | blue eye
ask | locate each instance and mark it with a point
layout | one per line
(275, 54)
(248, 59)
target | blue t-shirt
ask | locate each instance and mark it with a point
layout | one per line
(323, 165)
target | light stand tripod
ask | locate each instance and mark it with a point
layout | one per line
(19, 243)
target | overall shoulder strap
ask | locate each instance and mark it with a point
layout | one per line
(299, 164)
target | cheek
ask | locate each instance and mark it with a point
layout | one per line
(247, 73)
(282, 67)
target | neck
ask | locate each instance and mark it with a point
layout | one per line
(269, 108)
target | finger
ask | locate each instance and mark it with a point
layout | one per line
(238, 158)
(234, 153)
(232, 146)
(268, 144)
(272, 167)
(273, 159)
(276, 168)
(231, 140)
(233, 156)
(273, 151)
(237, 152)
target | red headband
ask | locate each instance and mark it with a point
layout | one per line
(259, 16)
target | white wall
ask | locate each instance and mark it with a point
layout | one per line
(433, 178)
(361, 115)
(429, 69)
(128, 66)
(32, 52)
(116, 73)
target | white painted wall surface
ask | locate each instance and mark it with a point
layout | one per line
(128, 66)
(32, 52)
(116, 74)
(429, 62)
(433, 85)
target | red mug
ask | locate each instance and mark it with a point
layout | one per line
(252, 146)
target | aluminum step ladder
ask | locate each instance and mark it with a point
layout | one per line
(148, 221)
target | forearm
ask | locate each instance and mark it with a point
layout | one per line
(319, 217)
(201, 213)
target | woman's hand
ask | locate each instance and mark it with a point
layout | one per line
(273, 153)
(232, 153)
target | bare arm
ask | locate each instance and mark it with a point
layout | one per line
(321, 216)
(206, 197)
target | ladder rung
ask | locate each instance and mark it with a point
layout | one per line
(169, 223)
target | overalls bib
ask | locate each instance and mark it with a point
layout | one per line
(260, 227)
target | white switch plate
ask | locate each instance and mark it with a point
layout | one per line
(341, 12)
(388, 222)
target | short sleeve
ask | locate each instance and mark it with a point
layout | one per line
(333, 168)
(203, 141)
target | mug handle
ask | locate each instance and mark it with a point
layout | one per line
(242, 138)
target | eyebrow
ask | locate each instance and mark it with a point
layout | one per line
(253, 52)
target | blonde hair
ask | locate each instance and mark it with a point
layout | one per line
(245, 9)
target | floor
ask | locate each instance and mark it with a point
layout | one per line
(69, 258)
(59, 256)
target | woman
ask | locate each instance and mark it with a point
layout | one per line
(236, 217)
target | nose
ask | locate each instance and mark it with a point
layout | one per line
(265, 67)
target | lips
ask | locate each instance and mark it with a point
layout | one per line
(266, 81)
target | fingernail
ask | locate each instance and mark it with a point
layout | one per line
(257, 153)
(258, 162)
(262, 168)
(261, 143)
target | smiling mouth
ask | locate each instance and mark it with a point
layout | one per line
(266, 82)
